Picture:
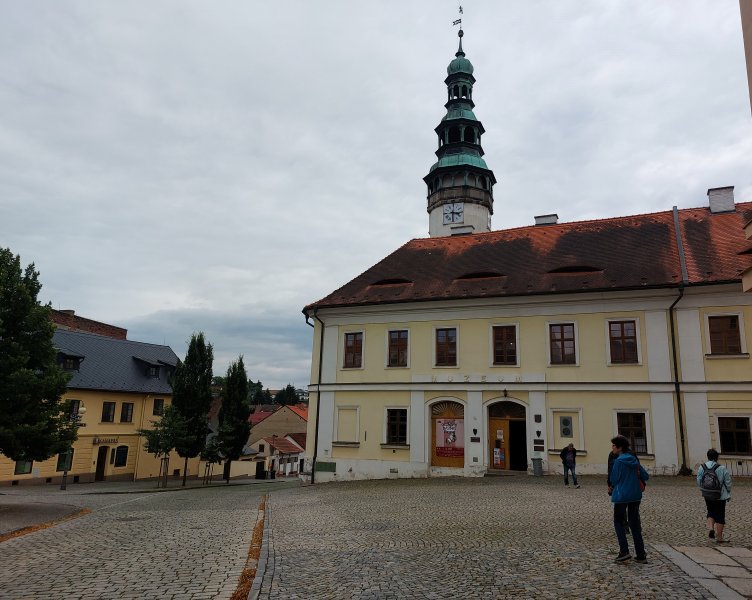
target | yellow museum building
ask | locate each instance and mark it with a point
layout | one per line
(474, 351)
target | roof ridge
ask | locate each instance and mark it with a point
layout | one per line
(583, 221)
(106, 337)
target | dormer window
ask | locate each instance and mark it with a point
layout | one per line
(69, 362)
(152, 372)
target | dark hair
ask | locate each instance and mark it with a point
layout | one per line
(621, 442)
(713, 454)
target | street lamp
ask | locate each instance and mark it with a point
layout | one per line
(76, 419)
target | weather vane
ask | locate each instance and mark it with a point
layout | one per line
(458, 21)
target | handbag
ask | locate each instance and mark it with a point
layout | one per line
(639, 478)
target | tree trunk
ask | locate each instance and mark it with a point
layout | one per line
(185, 470)
(227, 470)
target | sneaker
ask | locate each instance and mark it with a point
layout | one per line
(622, 557)
(717, 541)
(577, 486)
(711, 534)
(641, 559)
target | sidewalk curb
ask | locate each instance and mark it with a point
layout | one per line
(263, 556)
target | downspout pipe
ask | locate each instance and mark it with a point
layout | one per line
(318, 391)
(684, 470)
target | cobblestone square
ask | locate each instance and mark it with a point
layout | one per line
(507, 537)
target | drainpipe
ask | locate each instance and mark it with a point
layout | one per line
(684, 470)
(318, 393)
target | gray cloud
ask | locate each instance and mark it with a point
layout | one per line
(172, 167)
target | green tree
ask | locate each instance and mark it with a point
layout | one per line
(169, 432)
(192, 396)
(255, 392)
(233, 416)
(286, 396)
(35, 423)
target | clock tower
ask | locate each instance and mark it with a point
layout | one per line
(460, 184)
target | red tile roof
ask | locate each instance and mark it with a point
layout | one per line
(283, 446)
(607, 254)
(298, 437)
(300, 411)
(257, 417)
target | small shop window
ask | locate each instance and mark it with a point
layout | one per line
(121, 456)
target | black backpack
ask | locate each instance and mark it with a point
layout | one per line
(710, 485)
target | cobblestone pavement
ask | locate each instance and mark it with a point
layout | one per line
(187, 544)
(508, 537)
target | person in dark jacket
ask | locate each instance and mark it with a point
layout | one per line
(569, 460)
(611, 458)
(626, 495)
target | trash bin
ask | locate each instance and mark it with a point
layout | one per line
(538, 467)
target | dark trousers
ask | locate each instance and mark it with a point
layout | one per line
(716, 510)
(630, 510)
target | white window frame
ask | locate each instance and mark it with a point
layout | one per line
(516, 326)
(608, 322)
(433, 344)
(384, 428)
(742, 338)
(386, 347)
(648, 428)
(716, 416)
(553, 425)
(357, 423)
(362, 366)
(576, 343)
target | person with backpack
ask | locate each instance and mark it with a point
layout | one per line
(628, 478)
(714, 481)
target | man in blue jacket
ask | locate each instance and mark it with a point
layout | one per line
(626, 475)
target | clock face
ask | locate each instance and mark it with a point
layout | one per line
(454, 213)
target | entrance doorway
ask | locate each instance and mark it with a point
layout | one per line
(101, 463)
(448, 435)
(507, 436)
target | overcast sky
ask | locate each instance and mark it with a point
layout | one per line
(176, 166)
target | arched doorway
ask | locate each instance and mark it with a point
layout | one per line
(507, 436)
(448, 435)
(101, 463)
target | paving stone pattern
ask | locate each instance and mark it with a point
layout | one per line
(509, 537)
(178, 545)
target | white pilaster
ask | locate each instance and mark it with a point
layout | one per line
(326, 425)
(698, 427)
(537, 406)
(657, 348)
(417, 427)
(689, 336)
(474, 421)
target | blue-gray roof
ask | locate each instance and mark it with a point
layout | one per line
(116, 365)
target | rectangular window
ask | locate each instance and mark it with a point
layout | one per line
(65, 460)
(562, 344)
(505, 345)
(398, 348)
(632, 427)
(446, 347)
(152, 371)
(75, 405)
(121, 456)
(396, 426)
(347, 425)
(70, 363)
(108, 412)
(353, 350)
(158, 409)
(622, 336)
(126, 412)
(725, 337)
(23, 467)
(734, 434)
(262, 447)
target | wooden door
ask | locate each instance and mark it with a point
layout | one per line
(498, 443)
(101, 463)
(448, 435)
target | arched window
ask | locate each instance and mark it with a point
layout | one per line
(464, 91)
(485, 183)
(470, 135)
(454, 134)
(456, 91)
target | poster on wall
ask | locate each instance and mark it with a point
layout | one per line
(450, 437)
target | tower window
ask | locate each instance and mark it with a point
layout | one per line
(464, 91)
(456, 91)
(454, 134)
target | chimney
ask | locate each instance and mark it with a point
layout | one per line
(721, 199)
(551, 219)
